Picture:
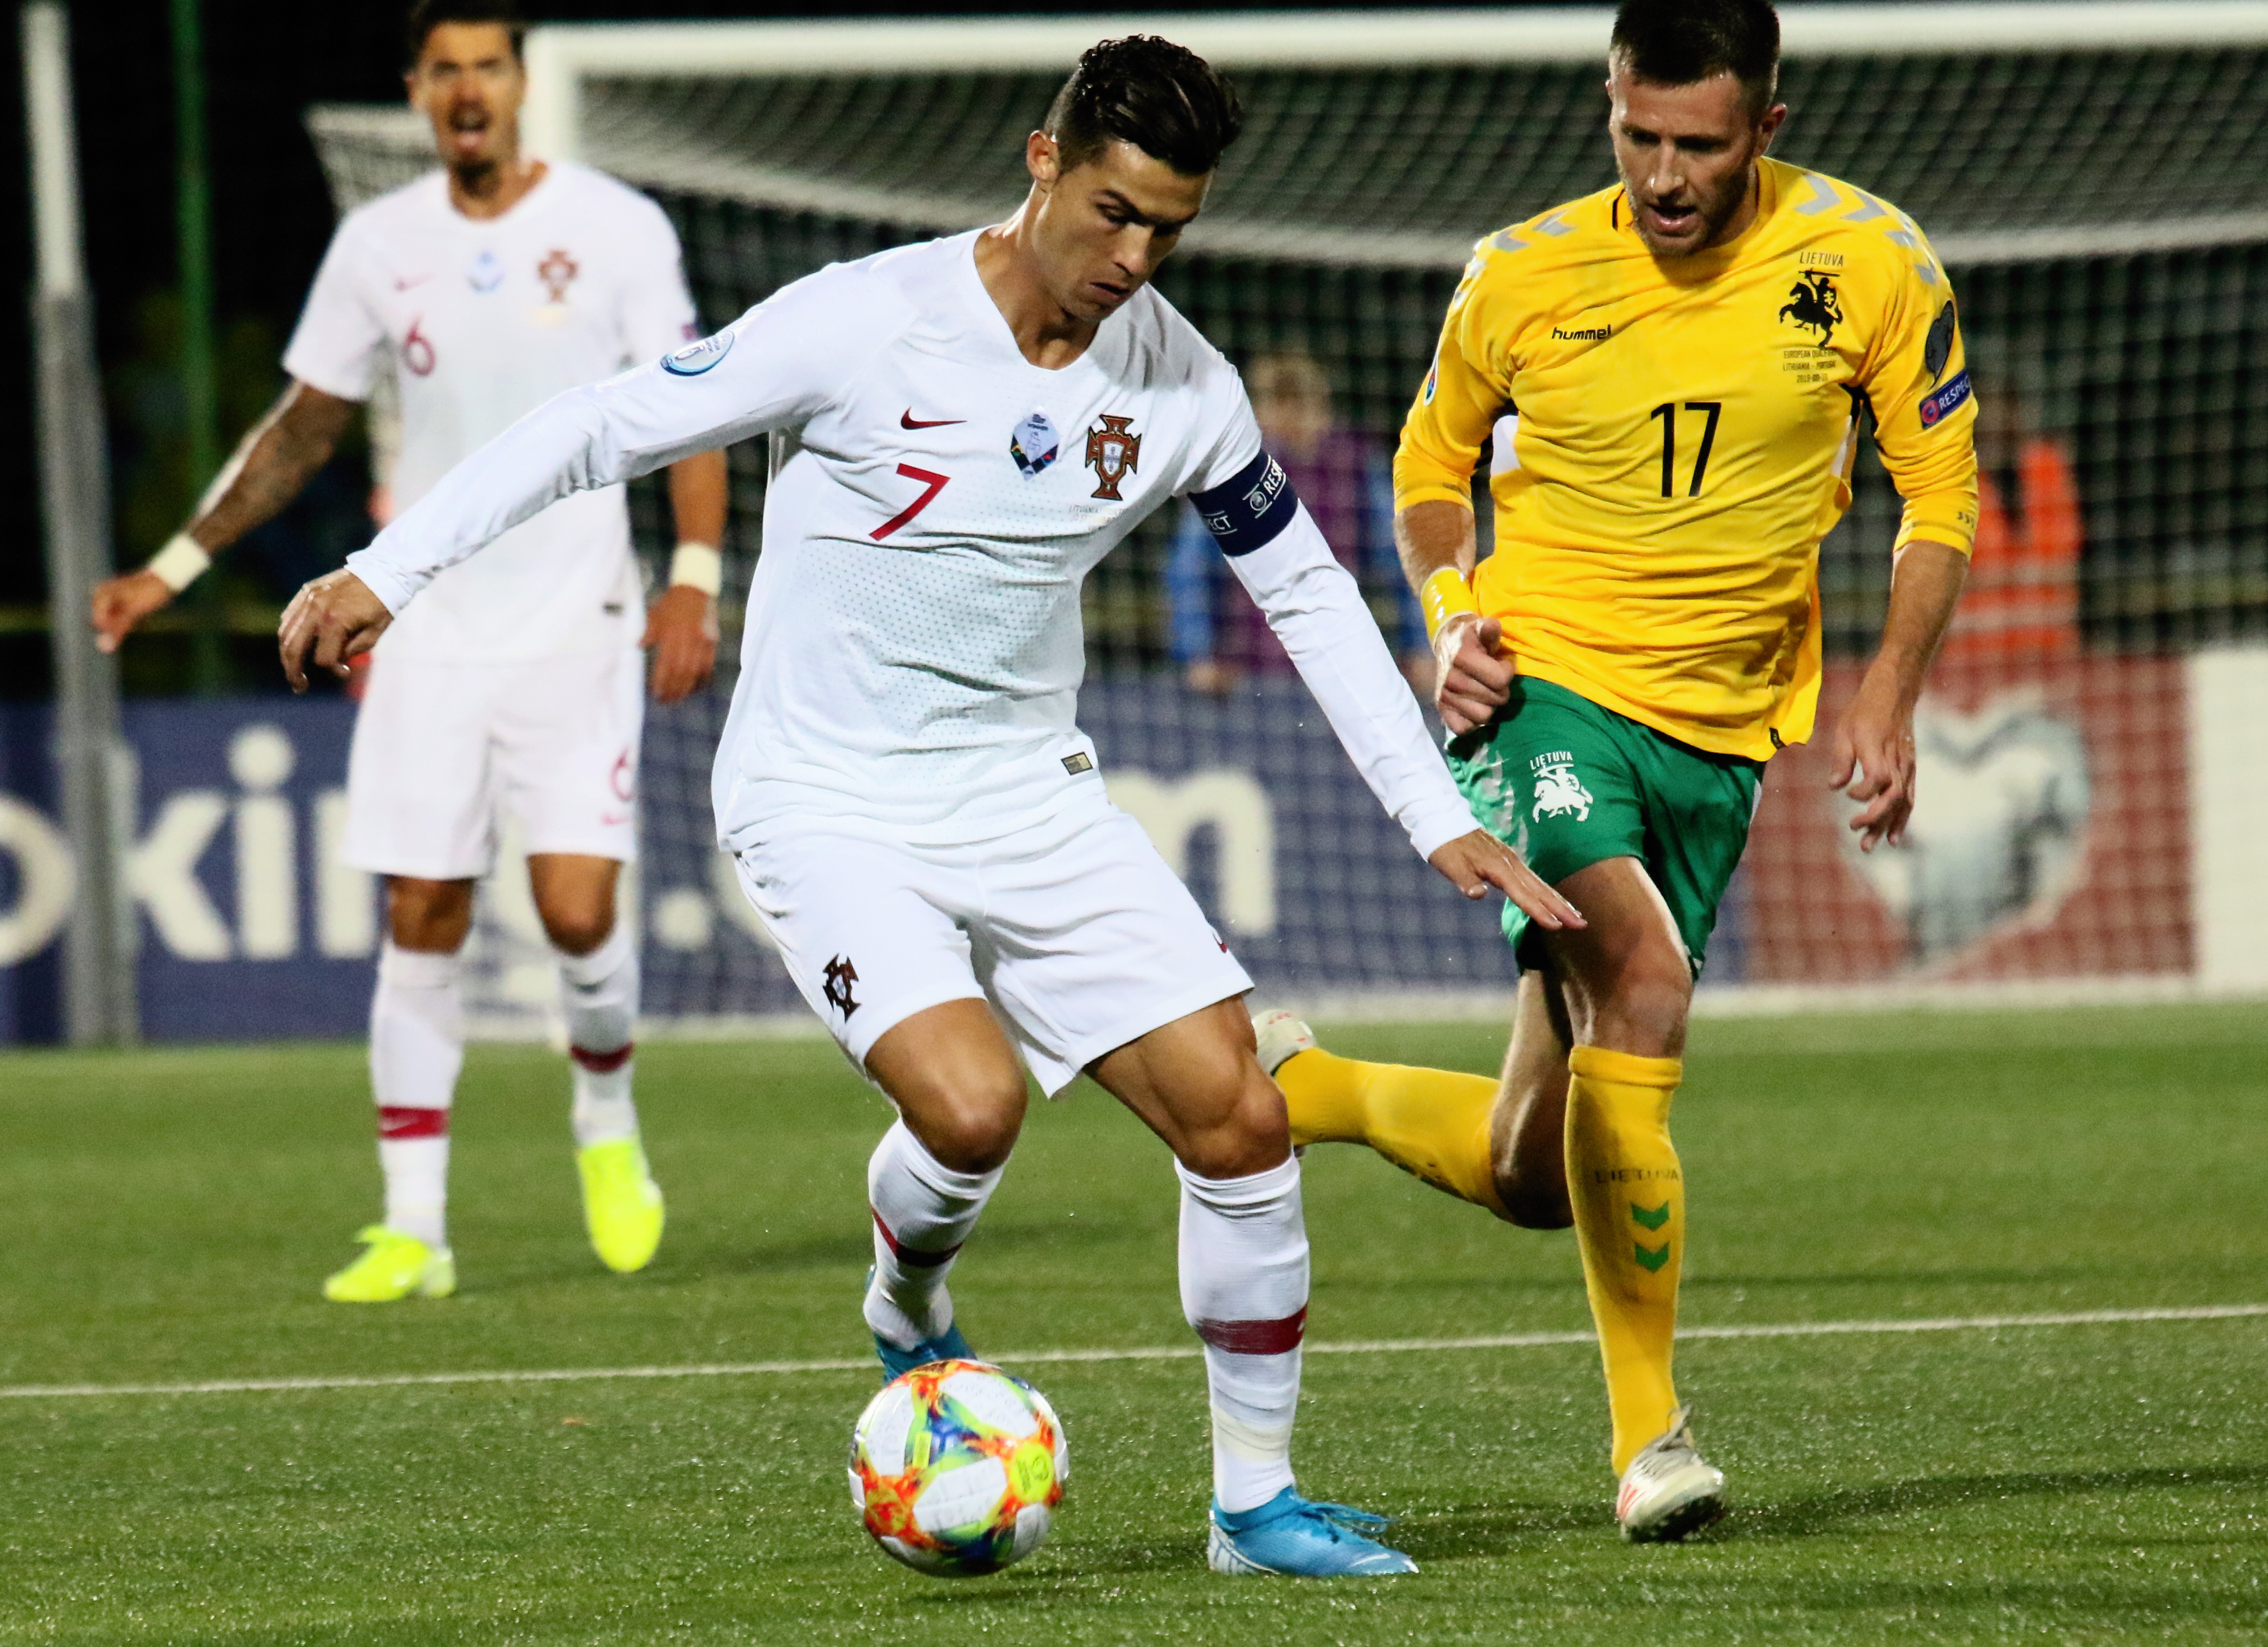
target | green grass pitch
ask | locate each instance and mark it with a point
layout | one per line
(170, 1215)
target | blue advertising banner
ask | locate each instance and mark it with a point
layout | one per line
(249, 927)
(1248, 797)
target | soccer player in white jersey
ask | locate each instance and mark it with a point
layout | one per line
(914, 812)
(487, 287)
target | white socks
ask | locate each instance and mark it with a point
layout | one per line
(923, 1211)
(599, 992)
(417, 1049)
(1244, 1288)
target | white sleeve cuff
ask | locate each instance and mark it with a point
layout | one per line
(1435, 827)
(394, 589)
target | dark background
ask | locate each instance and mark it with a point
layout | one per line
(265, 61)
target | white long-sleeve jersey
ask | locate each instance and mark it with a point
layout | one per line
(913, 648)
(479, 321)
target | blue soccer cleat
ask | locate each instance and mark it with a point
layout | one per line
(1298, 1536)
(947, 1346)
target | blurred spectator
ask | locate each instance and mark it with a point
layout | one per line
(1342, 476)
(2021, 600)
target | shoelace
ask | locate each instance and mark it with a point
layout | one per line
(1341, 1523)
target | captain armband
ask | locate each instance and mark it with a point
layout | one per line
(1442, 596)
(1251, 509)
(699, 565)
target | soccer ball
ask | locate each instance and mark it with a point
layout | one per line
(956, 1468)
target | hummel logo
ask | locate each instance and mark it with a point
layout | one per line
(907, 420)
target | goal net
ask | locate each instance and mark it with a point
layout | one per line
(2091, 741)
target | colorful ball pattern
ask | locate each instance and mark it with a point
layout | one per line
(956, 1468)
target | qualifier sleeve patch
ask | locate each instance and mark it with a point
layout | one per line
(1247, 511)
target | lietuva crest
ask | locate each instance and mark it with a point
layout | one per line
(1813, 305)
(1113, 452)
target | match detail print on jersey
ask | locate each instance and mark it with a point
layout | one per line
(1251, 508)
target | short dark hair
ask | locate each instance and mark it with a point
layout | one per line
(1163, 99)
(426, 16)
(1676, 42)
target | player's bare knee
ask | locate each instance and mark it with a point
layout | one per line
(970, 1126)
(1253, 1133)
(430, 917)
(578, 931)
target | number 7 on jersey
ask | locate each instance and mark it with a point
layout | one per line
(931, 482)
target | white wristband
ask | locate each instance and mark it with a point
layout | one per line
(698, 565)
(178, 563)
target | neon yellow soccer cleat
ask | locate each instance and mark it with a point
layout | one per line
(622, 1204)
(393, 1266)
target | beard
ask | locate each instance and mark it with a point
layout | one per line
(1713, 215)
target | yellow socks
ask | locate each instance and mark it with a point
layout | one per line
(1630, 1218)
(1623, 1177)
(1430, 1122)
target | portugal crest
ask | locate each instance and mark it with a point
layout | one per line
(557, 273)
(1113, 452)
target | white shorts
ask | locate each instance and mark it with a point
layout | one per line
(440, 747)
(1073, 929)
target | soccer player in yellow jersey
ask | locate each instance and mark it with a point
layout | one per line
(1675, 372)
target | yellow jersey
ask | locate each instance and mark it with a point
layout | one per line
(1681, 436)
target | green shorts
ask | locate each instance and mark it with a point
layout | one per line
(1566, 784)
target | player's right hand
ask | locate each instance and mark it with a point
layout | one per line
(1479, 860)
(337, 617)
(1472, 681)
(122, 602)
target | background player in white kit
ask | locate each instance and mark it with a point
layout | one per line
(914, 812)
(487, 287)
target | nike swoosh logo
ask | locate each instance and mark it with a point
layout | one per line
(907, 420)
(414, 280)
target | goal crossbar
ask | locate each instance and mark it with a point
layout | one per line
(560, 55)
(565, 61)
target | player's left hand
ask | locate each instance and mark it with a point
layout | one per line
(1873, 756)
(337, 617)
(1479, 860)
(681, 632)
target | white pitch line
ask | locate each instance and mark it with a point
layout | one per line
(1157, 1352)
